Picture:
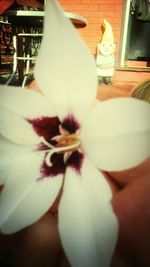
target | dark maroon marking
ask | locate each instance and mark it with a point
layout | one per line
(70, 124)
(58, 166)
(75, 161)
(1, 188)
(47, 127)
(41, 147)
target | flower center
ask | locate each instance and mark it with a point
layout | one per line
(65, 143)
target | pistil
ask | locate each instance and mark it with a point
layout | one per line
(65, 144)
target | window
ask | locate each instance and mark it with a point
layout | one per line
(134, 52)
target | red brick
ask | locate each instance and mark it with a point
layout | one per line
(113, 14)
(107, 7)
(94, 7)
(95, 11)
(79, 7)
(118, 8)
(70, 2)
(85, 1)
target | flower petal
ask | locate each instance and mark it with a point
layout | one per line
(24, 198)
(26, 103)
(88, 227)
(65, 70)
(16, 106)
(17, 129)
(21, 208)
(13, 157)
(116, 134)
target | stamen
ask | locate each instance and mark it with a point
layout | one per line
(62, 130)
(62, 149)
(63, 140)
(46, 143)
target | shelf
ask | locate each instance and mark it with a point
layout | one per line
(30, 34)
(35, 18)
(26, 58)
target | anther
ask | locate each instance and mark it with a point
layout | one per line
(61, 149)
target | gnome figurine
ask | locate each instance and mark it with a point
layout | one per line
(105, 59)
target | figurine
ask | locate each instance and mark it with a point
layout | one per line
(105, 59)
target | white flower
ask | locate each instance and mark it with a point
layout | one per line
(60, 139)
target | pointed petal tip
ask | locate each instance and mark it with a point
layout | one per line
(87, 224)
(65, 67)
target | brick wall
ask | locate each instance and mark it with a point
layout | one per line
(95, 11)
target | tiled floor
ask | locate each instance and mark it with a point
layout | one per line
(115, 90)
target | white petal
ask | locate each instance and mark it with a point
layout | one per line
(26, 103)
(32, 202)
(17, 129)
(13, 158)
(116, 134)
(24, 199)
(16, 159)
(16, 106)
(88, 227)
(65, 70)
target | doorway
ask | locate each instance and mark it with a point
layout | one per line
(134, 51)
